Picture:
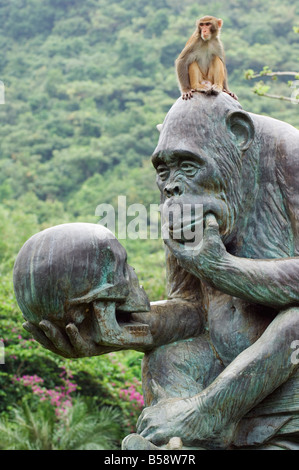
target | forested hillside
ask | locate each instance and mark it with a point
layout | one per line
(86, 83)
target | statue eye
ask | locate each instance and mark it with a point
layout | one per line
(163, 172)
(189, 168)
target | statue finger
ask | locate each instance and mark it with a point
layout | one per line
(39, 336)
(80, 346)
(174, 247)
(155, 435)
(142, 421)
(142, 317)
(60, 342)
(139, 423)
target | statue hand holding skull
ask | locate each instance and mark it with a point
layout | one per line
(77, 292)
(217, 367)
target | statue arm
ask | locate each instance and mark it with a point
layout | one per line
(168, 321)
(173, 320)
(180, 317)
(272, 282)
(268, 282)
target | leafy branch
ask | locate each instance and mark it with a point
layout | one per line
(261, 89)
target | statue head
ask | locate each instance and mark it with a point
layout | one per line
(202, 157)
(73, 272)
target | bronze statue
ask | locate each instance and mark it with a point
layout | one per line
(218, 370)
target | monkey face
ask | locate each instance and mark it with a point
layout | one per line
(209, 27)
(205, 29)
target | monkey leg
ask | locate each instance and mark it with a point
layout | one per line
(197, 80)
(217, 75)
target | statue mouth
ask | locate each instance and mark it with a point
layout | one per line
(126, 322)
(184, 217)
(119, 328)
(187, 228)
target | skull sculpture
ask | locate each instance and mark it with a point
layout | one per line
(78, 273)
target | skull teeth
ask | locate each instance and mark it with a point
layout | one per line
(136, 328)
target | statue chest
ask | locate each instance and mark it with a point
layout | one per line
(235, 324)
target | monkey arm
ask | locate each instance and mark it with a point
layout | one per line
(182, 64)
(217, 74)
(182, 73)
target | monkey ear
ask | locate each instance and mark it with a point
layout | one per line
(241, 126)
(220, 23)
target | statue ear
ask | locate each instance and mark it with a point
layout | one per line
(241, 126)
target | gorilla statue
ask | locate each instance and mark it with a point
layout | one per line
(233, 385)
(220, 369)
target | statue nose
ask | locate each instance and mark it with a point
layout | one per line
(173, 189)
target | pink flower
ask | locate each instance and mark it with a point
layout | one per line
(59, 397)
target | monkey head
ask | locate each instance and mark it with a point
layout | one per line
(200, 159)
(208, 27)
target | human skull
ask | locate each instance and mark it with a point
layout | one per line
(70, 272)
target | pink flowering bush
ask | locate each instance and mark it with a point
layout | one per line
(59, 397)
(133, 403)
(125, 388)
(132, 395)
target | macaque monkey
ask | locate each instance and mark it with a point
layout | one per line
(201, 64)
